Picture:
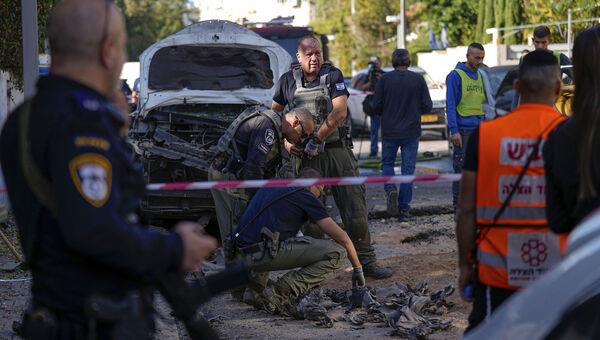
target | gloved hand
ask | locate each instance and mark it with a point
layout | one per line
(358, 278)
(313, 147)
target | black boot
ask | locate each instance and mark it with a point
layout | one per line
(375, 271)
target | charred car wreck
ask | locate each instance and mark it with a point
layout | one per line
(193, 85)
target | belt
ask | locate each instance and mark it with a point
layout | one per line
(338, 144)
(253, 248)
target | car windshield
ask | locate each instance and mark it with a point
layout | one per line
(496, 75)
(209, 68)
(430, 83)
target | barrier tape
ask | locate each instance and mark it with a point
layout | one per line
(302, 182)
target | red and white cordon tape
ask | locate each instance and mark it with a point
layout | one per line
(302, 182)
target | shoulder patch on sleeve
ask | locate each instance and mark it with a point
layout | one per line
(340, 86)
(92, 175)
(94, 142)
(269, 136)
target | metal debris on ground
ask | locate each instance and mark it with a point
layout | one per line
(410, 312)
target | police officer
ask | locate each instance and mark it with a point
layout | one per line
(320, 88)
(267, 238)
(251, 149)
(74, 189)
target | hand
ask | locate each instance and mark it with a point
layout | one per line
(456, 139)
(292, 149)
(358, 278)
(313, 147)
(196, 245)
(464, 278)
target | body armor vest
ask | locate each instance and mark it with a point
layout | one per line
(226, 140)
(316, 100)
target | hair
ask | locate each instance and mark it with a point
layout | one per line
(541, 31)
(586, 107)
(302, 113)
(475, 45)
(76, 32)
(538, 73)
(305, 37)
(400, 57)
(309, 172)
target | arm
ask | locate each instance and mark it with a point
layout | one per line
(557, 214)
(452, 99)
(426, 103)
(378, 98)
(466, 230)
(335, 118)
(275, 106)
(89, 209)
(329, 227)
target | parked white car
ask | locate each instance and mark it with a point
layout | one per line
(436, 120)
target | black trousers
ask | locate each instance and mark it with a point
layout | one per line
(486, 300)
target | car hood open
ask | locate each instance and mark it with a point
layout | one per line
(213, 61)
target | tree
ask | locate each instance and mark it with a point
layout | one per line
(148, 21)
(11, 48)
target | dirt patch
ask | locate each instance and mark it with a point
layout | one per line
(427, 236)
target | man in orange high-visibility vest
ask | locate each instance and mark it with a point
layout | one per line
(502, 231)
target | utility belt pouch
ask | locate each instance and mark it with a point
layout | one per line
(38, 323)
(126, 315)
(271, 241)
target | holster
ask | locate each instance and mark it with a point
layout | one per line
(271, 241)
(229, 249)
(127, 316)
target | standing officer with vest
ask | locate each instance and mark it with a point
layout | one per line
(75, 191)
(501, 214)
(464, 111)
(251, 149)
(321, 89)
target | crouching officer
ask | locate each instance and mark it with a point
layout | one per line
(74, 191)
(320, 88)
(251, 149)
(267, 239)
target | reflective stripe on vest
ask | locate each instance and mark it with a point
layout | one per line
(315, 99)
(519, 247)
(472, 96)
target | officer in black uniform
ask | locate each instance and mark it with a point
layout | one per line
(320, 88)
(75, 190)
(251, 149)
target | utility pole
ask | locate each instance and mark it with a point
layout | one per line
(400, 20)
(353, 16)
(30, 46)
(569, 32)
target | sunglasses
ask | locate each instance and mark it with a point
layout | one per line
(304, 135)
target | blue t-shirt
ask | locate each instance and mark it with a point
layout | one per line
(286, 215)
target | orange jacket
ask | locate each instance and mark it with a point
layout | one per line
(518, 247)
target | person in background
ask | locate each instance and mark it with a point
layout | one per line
(502, 223)
(573, 177)
(465, 95)
(373, 77)
(401, 97)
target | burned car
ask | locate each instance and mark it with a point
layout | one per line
(193, 84)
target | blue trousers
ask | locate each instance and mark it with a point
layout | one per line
(408, 153)
(375, 124)
(458, 158)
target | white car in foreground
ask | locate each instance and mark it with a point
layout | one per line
(436, 120)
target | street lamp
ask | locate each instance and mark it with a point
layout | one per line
(400, 19)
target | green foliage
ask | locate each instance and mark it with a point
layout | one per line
(11, 48)
(148, 21)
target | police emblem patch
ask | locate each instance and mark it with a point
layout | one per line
(269, 136)
(340, 86)
(92, 175)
